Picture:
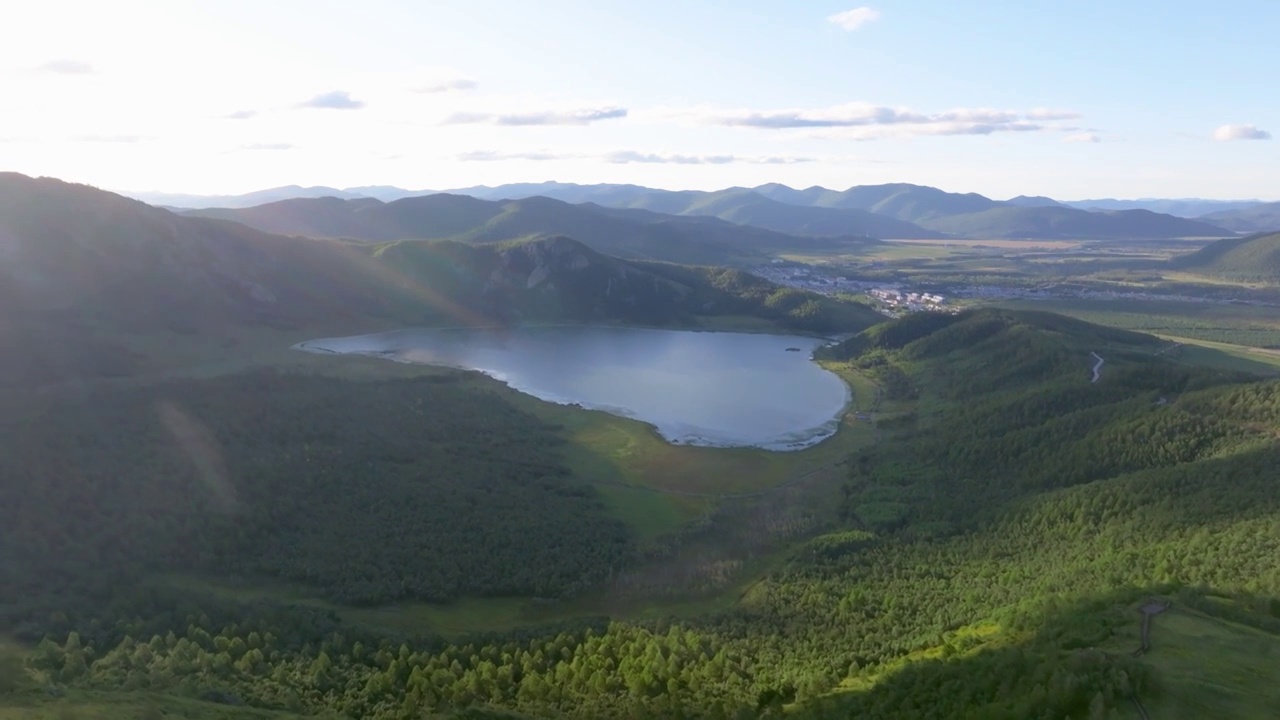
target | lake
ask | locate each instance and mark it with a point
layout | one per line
(696, 388)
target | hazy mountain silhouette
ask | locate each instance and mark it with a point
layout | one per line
(977, 216)
(624, 232)
(1033, 201)
(84, 269)
(896, 210)
(1184, 207)
(1262, 217)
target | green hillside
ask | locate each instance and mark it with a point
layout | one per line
(898, 210)
(634, 235)
(746, 207)
(1063, 222)
(904, 201)
(83, 268)
(984, 558)
(86, 270)
(1254, 258)
(976, 216)
(559, 279)
(1262, 217)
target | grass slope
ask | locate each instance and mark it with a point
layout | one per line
(1063, 222)
(1256, 257)
(1207, 667)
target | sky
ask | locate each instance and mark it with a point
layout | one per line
(1087, 99)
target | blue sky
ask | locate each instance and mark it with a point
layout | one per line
(1072, 100)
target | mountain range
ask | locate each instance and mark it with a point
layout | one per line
(922, 211)
(1184, 207)
(625, 232)
(1237, 215)
(1263, 217)
(259, 197)
(83, 268)
(871, 211)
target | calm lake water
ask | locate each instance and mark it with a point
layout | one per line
(696, 388)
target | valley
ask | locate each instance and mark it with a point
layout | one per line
(263, 532)
(488, 360)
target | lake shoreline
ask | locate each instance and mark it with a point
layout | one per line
(683, 431)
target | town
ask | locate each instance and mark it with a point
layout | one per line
(894, 298)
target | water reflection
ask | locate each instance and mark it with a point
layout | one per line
(701, 388)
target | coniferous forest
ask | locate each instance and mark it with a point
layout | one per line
(982, 560)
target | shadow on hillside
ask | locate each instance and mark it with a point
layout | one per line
(1078, 664)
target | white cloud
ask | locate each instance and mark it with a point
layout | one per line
(855, 18)
(625, 157)
(632, 156)
(335, 100)
(865, 121)
(426, 79)
(449, 85)
(66, 67)
(268, 146)
(1084, 137)
(1050, 114)
(109, 138)
(240, 115)
(580, 116)
(1240, 132)
(494, 156)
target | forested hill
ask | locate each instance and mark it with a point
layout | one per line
(1008, 221)
(632, 234)
(922, 335)
(747, 207)
(895, 210)
(984, 558)
(917, 210)
(81, 267)
(560, 279)
(1255, 258)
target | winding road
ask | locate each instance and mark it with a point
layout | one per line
(1097, 369)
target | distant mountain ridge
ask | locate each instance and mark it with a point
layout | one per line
(1262, 217)
(1178, 207)
(895, 210)
(745, 206)
(83, 268)
(926, 211)
(1033, 201)
(624, 232)
(187, 201)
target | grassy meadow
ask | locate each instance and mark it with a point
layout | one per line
(1207, 667)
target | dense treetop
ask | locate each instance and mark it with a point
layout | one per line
(982, 558)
